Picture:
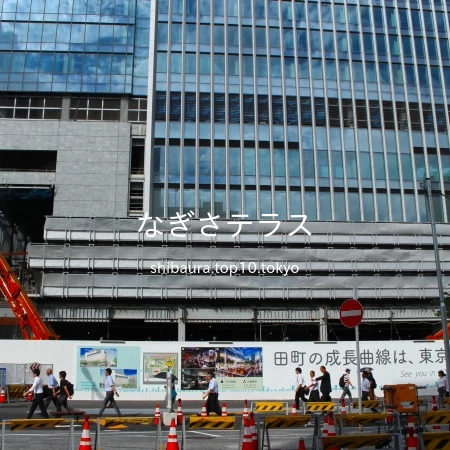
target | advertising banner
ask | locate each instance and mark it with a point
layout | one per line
(92, 362)
(236, 368)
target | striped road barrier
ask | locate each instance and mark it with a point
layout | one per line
(281, 422)
(357, 441)
(33, 424)
(269, 407)
(320, 406)
(211, 423)
(432, 441)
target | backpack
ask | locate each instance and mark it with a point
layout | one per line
(341, 381)
(70, 388)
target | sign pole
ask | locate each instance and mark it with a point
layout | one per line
(351, 314)
(169, 389)
(358, 368)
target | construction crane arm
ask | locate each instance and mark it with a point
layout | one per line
(28, 317)
(438, 335)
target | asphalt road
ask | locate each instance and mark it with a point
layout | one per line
(134, 436)
(138, 436)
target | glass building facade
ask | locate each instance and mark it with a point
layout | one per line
(95, 46)
(333, 109)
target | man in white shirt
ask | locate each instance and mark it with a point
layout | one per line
(212, 403)
(38, 389)
(110, 390)
(299, 387)
(314, 386)
(52, 388)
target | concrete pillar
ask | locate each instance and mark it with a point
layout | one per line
(323, 324)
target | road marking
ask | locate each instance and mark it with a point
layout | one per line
(206, 434)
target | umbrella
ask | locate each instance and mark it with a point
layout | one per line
(163, 376)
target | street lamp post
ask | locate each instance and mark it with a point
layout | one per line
(426, 186)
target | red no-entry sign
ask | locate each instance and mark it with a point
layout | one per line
(351, 313)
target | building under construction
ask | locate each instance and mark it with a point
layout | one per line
(242, 117)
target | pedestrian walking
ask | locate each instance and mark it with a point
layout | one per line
(38, 389)
(212, 403)
(52, 389)
(345, 384)
(373, 384)
(63, 392)
(314, 388)
(365, 388)
(299, 387)
(110, 390)
(442, 388)
(325, 384)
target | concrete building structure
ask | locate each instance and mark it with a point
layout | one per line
(250, 110)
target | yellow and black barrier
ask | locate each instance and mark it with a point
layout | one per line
(27, 424)
(15, 391)
(286, 421)
(269, 407)
(446, 401)
(213, 423)
(436, 417)
(366, 404)
(355, 419)
(356, 441)
(282, 422)
(433, 441)
(320, 406)
(113, 421)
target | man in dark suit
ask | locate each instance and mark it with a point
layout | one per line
(325, 385)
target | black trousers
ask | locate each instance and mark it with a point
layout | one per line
(213, 405)
(325, 397)
(55, 401)
(314, 396)
(63, 402)
(38, 400)
(300, 394)
(109, 398)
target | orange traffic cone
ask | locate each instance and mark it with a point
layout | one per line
(204, 414)
(301, 444)
(294, 409)
(390, 417)
(434, 404)
(253, 431)
(410, 423)
(247, 442)
(85, 443)
(3, 395)
(411, 441)
(245, 413)
(224, 410)
(172, 440)
(343, 407)
(325, 426)
(30, 395)
(157, 416)
(179, 413)
(331, 428)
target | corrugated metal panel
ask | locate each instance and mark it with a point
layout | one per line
(74, 314)
(232, 315)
